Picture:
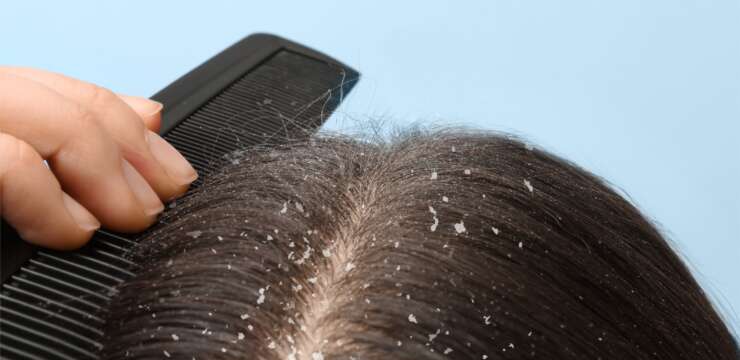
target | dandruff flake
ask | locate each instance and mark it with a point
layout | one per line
(194, 234)
(528, 185)
(434, 175)
(261, 298)
(412, 319)
(460, 227)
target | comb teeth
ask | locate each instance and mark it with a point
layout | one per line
(275, 105)
(49, 308)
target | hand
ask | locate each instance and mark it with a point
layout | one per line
(106, 163)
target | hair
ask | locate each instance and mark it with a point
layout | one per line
(437, 245)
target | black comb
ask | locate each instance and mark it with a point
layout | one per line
(262, 90)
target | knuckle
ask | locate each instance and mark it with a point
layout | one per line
(83, 120)
(96, 95)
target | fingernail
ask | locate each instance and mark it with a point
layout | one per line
(148, 107)
(82, 217)
(177, 167)
(144, 193)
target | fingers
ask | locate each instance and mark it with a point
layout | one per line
(34, 203)
(164, 169)
(84, 157)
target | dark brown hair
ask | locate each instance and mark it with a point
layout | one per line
(430, 246)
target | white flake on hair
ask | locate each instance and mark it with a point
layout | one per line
(194, 234)
(453, 149)
(271, 345)
(175, 337)
(313, 280)
(269, 237)
(326, 252)
(399, 343)
(528, 185)
(467, 171)
(521, 245)
(445, 199)
(349, 267)
(244, 316)
(484, 357)
(214, 251)
(240, 336)
(285, 208)
(433, 227)
(299, 206)
(220, 238)
(460, 227)
(223, 350)
(166, 354)
(487, 319)
(495, 230)
(432, 336)
(250, 327)
(396, 244)
(261, 298)
(447, 351)
(412, 319)
(434, 175)
(317, 356)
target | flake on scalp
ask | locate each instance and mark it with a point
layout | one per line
(495, 230)
(433, 227)
(432, 336)
(285, 208)
(175, 337)
(445, 199)
(326, 252)
(299, 206)
(447, 351)
(194, 234)
(528, 185)
(240, 336)
(317, 356)
(244, 316)
(349, 267)
(460, 227)
(166, 353)
(313, 280)
(434, 175)
(412, 319)
(467, 171)
(220, 238)
(261, 298)
(487, 319)
(271, 345)
(521, 245)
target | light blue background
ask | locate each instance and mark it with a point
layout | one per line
(643, 93)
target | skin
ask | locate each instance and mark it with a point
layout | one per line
(106, 164)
